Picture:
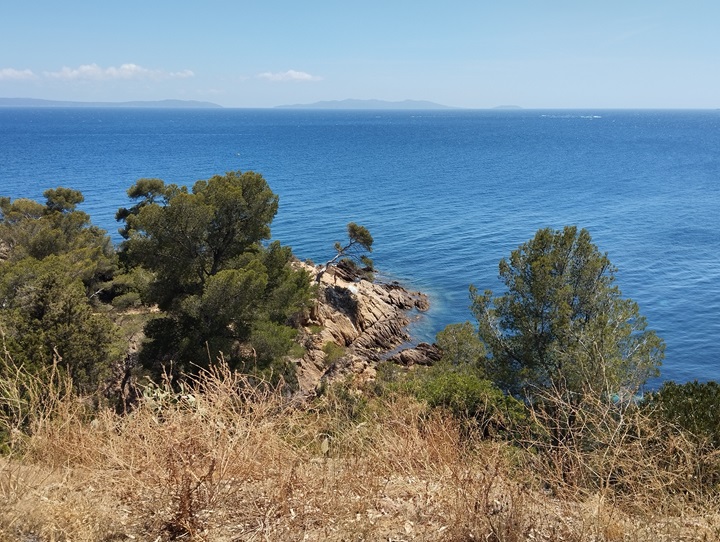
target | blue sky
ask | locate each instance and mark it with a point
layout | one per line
(476, 54)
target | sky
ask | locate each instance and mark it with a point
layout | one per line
(470, 54)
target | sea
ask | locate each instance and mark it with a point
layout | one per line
(446, 194)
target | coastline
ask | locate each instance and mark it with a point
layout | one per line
(366, 321)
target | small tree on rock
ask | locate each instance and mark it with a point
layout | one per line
(359, 242)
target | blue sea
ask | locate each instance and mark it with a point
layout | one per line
(446, 194)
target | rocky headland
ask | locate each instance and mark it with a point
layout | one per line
(355, 324)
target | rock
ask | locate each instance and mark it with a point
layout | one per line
(368, 319)
(422, 354)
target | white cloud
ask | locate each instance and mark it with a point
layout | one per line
(126, 71)
(184, 74)
(290, 75)
(10, 74)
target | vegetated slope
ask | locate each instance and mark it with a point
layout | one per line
(228, 459)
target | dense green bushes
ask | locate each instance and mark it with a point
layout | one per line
(468, 396)
(693, 406)
(199, 256)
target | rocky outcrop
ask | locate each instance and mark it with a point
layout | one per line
(422, 354)
(355, 324)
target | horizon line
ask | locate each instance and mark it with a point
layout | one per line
(201, 104)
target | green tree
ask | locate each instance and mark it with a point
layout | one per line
(145, 192)
(188, 237)
(219, 285)
(45, 314)
(31, 230)
(563, 324)
(53, 265)
(461, 345)
(359, 242)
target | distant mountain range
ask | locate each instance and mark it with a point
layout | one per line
(194, 104)
(367, 104)
(169, 104)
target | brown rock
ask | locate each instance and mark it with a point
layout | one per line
(422, 354)
(368, 319)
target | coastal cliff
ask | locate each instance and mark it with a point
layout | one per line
(354, 325)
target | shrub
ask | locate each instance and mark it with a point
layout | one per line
(127, 301)
(333, 352)
(693, 406)
(463, 391)
(461, 344)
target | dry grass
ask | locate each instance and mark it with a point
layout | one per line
(587, 446)
(224, 460)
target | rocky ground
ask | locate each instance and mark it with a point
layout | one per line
(367, 320)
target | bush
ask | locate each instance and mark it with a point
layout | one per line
(463, 391)
(129, 288)
(45, 316)
(333, 352)
(127, 301)
(692, 406)
(271, 345)
(461, 344)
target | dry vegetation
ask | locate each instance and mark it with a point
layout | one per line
(224, 460)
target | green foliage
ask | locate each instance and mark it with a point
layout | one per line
(62, 200)
(188, 237)
(46, 315)
(222, 289)
(271, 341)
(145, 192)
(127, 301)
(333, 352)
(288, 290)
(463, 391)
(693, 406)
(359, 242)
(562, 323)
(130, 288)
(31, 230)
(461, 345)
(359, 236)
(54, 263)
